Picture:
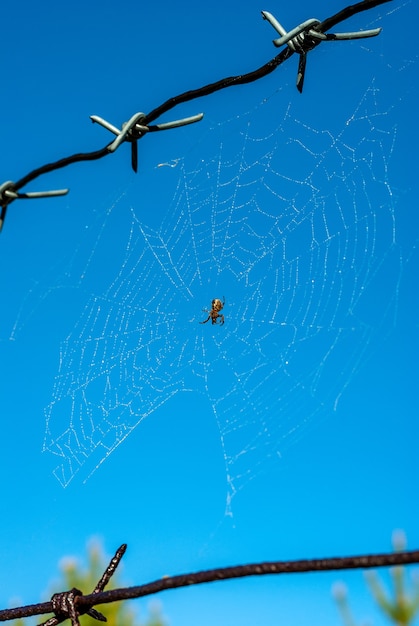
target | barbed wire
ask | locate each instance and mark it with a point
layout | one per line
(71, 604)
(301, 40)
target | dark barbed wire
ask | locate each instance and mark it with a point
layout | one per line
(266, 69)
(301, 40)
(64, 603)
(348, 12)
(72, 603)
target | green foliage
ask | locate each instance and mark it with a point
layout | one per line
(400, 605)
(340, 594)
(403, 606)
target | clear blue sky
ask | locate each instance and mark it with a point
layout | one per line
(291, 431)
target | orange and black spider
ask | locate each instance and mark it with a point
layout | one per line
(214, 314)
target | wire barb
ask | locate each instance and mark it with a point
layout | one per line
(83, 604)
(110, 570)
(307, 36)
(8, 193)
(64, 604)
(301, 39)
(136, 128)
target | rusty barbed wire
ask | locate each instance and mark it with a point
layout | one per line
(300, 40)
(64, 603)
(73, 603)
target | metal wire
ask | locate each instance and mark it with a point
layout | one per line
(72, 603)
(309, 35)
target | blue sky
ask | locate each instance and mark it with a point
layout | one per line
(291, 431)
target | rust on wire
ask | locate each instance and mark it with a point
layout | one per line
(64, 604)
(110, 570)
(71, 604)
(309, 35)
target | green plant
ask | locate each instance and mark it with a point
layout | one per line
(400, 605)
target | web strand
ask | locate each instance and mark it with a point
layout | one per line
(292, 226)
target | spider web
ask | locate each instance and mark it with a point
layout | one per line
(295, 227)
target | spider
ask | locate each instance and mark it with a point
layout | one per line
(214, 314)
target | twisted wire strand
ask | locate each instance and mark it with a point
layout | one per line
(193, 94)
(348, 12)
(84, 603)
(168, 105)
